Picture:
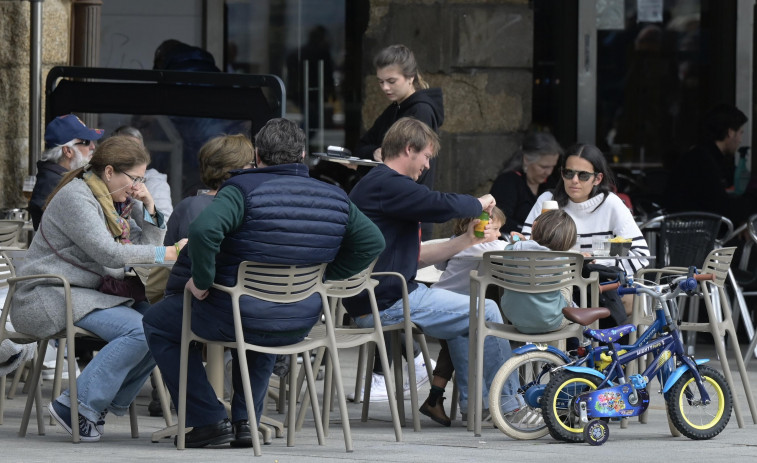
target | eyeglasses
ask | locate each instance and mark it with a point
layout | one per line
(83, 142)
(583, 176)
(135, 180)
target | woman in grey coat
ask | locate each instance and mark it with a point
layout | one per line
(86, 232)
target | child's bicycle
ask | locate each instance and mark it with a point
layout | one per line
(578, 400)
(531, 366)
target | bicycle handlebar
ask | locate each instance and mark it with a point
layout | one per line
(684, 283)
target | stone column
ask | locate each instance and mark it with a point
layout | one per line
(85, 46)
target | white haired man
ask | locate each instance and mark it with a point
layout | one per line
(68, 145)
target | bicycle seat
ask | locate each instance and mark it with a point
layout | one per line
(610, 334)
(585, 315)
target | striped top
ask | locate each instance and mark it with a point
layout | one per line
(611, 219)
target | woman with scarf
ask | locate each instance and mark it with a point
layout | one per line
(86, 233)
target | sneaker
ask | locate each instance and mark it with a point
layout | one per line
(436, 412)
(524, 417)
(87, 430)
(378, 390)
(100, 424)
(421, 374)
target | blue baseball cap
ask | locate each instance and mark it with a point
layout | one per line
(63, 129)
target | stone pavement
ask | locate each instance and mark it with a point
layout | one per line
(374, 440)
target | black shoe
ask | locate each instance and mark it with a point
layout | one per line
(212, 434)
(154, 408)
(242, 434)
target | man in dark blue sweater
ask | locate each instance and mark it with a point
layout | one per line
(389, 196)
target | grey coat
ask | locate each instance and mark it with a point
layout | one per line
(74, 224)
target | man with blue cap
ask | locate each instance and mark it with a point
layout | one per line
(69, 144)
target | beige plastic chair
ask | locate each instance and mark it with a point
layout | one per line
(275, 283)
(528, 272)
(68, 336)
(10, 233)
(411, 332)
(720, 323)
(351, 336)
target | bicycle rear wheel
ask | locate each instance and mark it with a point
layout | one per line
(689, 415)
(523, 418)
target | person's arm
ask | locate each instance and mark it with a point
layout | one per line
(362, 243)
(435, 253)
(206, 233)
(404, 199)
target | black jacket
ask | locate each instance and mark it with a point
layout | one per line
(425, 105)
(49, 175)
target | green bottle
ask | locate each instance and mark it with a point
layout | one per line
(478, 230)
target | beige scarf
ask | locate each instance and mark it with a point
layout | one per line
(118, 224)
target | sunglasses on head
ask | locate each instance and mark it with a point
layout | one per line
(583, 176)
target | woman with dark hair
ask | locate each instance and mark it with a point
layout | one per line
(86, 233)
(585, 192)
(525, 177)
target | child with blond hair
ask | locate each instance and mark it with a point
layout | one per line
(534, 313)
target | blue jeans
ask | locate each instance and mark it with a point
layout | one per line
(445, 315)
(163, 330)
(116, 374)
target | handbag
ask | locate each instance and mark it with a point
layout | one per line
(131, 286)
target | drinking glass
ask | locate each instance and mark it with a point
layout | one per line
(29, 182)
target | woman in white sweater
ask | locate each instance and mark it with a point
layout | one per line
(585, 192)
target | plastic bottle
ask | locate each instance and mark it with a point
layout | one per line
(478, 230)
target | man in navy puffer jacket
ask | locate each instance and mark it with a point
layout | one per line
(274, 213)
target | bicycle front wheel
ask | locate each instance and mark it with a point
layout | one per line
(522, 418)
(689, 415)
(558, 405)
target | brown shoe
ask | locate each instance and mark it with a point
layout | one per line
(436, 412)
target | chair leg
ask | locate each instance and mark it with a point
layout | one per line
(750, 351)
(360, 374)
(165, 401)
(313, 393)
(34, 394)
(328, 387)
(18, 375)
(246, 386)
(454, 400)
(337, 374)
(133, 420)
(2, 397)
(411, 379)
(389, 388)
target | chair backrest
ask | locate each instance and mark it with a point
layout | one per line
(685, 238)
(10, 231)
(279, 283)
(536, 271)
(353, 285)
(717, 262)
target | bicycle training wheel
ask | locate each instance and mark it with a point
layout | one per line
(689, 415)
(558, 404)
(531, 371)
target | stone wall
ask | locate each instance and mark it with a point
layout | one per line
(480, 53)
(14, 84)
